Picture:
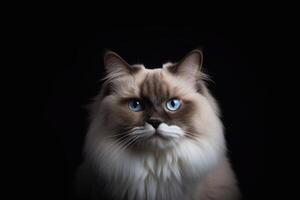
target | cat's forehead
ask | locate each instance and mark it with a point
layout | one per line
(159, 85)
(156, 85)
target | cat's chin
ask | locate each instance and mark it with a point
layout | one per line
(157, 143)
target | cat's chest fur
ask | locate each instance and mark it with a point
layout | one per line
(161, 178)
(149, 176)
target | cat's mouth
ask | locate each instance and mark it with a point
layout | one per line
(164, 135)
(159, 138)
(158, 135)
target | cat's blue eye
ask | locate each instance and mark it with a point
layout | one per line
(135, 105)
(173, 104)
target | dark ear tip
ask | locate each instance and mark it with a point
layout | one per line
(112, 57)
(200, 48)
(197, 50)
(107, 52)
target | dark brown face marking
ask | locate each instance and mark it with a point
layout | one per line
(155, 88)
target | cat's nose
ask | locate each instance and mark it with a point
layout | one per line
(154, 122)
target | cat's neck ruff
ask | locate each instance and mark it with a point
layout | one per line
(152, 175)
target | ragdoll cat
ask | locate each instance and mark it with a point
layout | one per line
(155, 134)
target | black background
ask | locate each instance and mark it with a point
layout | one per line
(71, 67)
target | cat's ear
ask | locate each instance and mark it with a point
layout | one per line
(190, 65)
(114, 63)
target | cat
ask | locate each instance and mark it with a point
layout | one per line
(155, 134)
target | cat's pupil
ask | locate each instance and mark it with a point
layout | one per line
(172, 103)
(136, 104)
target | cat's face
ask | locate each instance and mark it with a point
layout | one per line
(154, 109)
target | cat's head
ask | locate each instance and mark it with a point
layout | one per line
(154, 108)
